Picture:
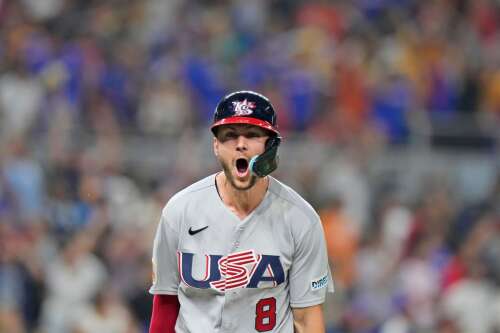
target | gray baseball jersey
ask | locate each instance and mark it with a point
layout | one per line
(235, 275)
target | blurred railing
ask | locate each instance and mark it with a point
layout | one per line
(459, 150)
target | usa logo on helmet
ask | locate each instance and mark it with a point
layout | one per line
(243, 108)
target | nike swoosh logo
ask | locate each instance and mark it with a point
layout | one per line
(195, 231)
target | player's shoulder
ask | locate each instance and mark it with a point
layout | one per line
(190, 193)
(293, 200)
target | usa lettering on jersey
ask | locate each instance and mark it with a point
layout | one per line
(244, 269)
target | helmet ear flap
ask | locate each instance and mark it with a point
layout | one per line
(265, 163)
(272, 141)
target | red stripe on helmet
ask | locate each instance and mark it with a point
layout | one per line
(245, 120)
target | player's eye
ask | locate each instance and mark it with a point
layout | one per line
(254, 134)
(230, 135)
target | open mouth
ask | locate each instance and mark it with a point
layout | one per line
(241, 167)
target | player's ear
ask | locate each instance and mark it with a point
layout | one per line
(216, 146)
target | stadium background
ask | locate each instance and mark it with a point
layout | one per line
(390, 113)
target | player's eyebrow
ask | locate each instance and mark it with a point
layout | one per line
(237, 129)
(239, 126)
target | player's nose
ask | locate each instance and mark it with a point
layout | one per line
(241, 143)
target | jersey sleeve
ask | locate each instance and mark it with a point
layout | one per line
(165, 272)
(310, 276)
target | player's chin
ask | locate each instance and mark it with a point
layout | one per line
(245, 178)
(243, 181)
(243, 185)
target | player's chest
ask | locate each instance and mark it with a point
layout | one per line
(218, 254)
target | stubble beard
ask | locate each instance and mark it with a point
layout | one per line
(230, 178)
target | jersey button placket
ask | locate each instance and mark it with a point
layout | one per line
(237, 237)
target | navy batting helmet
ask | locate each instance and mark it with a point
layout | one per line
(245, 107)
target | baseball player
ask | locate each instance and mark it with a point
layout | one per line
(239, 251)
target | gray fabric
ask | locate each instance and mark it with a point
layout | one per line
(283, 226)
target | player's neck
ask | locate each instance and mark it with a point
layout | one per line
(241, 203)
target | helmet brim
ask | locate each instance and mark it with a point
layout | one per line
(245, 120)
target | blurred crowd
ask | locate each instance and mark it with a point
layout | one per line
(102, 108)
